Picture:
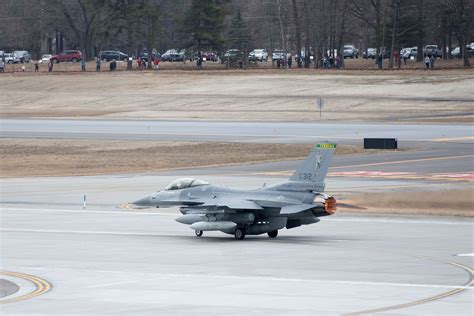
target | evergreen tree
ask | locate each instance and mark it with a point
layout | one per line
(203, 24)
(239, 35)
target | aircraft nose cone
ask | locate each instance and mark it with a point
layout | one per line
(144, 201)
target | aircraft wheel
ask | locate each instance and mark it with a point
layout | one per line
(273, 233)
(239, 234)
(198, 233)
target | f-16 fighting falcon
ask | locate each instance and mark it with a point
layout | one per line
(295, 202)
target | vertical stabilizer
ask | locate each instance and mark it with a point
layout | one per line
(315, 167)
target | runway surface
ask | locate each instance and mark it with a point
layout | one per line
(261, 132)
(110, 260)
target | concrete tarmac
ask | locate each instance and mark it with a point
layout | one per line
(108, 260)
(260, 132)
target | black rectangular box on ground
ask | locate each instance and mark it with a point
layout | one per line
(380, 143)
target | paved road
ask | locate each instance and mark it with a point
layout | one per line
(264, 132)
(117, 261)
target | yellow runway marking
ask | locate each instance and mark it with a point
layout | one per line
(466, 176)
(402, 161)
(290, 172)
(450, 139)
(462, 288)
(41, 286)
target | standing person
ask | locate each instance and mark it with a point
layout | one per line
(432, 61)
(113, 65)
(427, 62)
(36, 66)
(83, 65)
(50, 66)
(338, 62)
(156, 61)
(289, 61)
(199, 61)
(396, 58)
(97, 64)
(139, 62)
(380, 60)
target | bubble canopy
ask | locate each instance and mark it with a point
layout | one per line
(184, 183)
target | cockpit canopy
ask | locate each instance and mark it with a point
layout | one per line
(185, 183)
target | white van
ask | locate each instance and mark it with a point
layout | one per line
(23, 56)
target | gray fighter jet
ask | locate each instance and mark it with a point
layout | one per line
(295, 202)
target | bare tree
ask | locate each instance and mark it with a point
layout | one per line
(462, 16)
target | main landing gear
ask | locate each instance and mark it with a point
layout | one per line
(198, 233)
(239, 234)
(273, 233)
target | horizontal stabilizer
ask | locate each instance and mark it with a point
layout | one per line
(292, 209)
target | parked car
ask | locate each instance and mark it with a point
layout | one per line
(350, 52)
(414, 52)
(432, 50)
(67, 56)
(45, 58)
(258, 54)
(456, 52)
(233, 54)
(173, 55)
(369, 53)
(206, 56)
(470, 51)
(278, 54)
(408, 52)
(110, 55)
(11, 58)
(23, 56)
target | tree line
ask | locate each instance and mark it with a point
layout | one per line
(320, 26)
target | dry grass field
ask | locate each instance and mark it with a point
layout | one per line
(259, 95)
(63, 157)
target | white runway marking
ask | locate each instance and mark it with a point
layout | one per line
(254, 278)
(85, 232)
(85, 211)
(465, 255)
(110, 284)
